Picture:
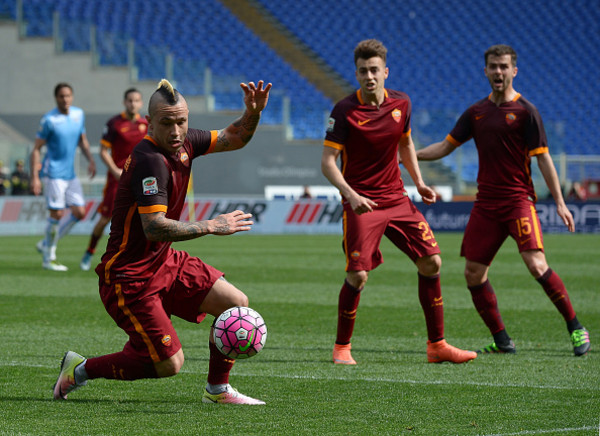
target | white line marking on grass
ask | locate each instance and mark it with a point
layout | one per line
(406, 381)
(554, 430)
(358, 379)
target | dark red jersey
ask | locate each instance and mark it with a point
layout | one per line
(152, 181)
(122, 134)
(368, 137)
(506, 136)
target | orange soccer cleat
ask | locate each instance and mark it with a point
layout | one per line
(441, 351)
(342, 355)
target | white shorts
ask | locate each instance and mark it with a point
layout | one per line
(61, 193)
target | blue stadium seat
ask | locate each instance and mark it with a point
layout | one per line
(436, 51)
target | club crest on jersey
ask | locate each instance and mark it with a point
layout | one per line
(397, 115)
(166, 340)
(330, 124)
(355, 254)
(142, 128)
(183, 157)
(150, 186)
(510, 118)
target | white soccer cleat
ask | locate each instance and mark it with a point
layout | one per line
(230, 396)
(66, 378)
(54, 266)
(86, 262)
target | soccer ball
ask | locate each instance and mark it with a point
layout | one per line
(240, 332)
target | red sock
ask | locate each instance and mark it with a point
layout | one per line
(219, 366)
(556, 291)
(118, 366)
(430, 297)
(485, 301)
(93, 242)
(347, 305)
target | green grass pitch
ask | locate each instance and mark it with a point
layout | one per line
(293, 281)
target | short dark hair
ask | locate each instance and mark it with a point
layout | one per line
(60, 86)
(501, 50)
(129, 91)
(369, 48)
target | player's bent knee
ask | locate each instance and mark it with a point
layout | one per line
(357, 279)
(171, 366)
(429, 265)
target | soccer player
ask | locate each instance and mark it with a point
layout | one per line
(368, 129)
(508, 131)
(121, 133)
(143, 281)
(61, 130)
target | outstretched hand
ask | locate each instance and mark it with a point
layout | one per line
(232, 222)
(255, 96)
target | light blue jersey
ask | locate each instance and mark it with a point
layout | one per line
(61, 133)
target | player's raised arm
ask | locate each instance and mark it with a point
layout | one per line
(240, 132)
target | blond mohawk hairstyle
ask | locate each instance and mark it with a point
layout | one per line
(164, 83)
(164, 92)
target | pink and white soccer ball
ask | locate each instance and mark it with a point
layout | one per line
(240, 332)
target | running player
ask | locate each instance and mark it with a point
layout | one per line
(508, 131)
(143, 281)
(121, 133)
(368, 129)
(61, 130)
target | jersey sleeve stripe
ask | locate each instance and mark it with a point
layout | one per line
(332, 144)
(105, 143)
(453, 141)
(152, 209)
(539, 150)
(406, 134)
(213, 141)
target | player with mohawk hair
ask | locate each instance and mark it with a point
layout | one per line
(143, 281)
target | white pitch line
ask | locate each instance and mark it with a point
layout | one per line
(355, 379)
(554, 430)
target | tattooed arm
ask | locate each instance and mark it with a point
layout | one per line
(239, 133)
(159, 228)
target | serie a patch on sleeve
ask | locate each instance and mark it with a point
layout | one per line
(150, 186)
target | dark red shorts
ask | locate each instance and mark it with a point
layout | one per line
(403, 224)
(105, 208)
(143, 309)
(488, 228)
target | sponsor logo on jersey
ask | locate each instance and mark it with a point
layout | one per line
(397, 115)
(150, 186)
(362, 122)
(330, 124)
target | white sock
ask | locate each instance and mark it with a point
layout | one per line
(49, 240)
(80, 373)
(216, 389)
(66, 225)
